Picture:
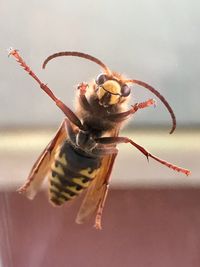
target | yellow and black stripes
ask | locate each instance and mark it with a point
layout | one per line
(71, 173)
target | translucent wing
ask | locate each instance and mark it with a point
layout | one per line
(96, 194)
(41, 167)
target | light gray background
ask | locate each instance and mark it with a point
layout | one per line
(155, 41)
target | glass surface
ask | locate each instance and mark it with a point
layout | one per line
(151, 216)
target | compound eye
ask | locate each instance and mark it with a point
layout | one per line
(125, 90)
(101, 78)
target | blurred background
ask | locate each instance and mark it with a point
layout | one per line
(152, 214)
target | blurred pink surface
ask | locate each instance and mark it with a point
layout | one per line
(141, 227)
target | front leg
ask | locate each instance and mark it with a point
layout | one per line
(119, 117)
(82, 87)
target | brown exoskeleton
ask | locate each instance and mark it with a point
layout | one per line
(82, 153)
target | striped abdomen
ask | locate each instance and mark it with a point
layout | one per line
(71, 173)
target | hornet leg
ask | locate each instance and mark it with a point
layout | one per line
(119, 117)
(82, 87)
(67, 111)
(120, 140)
